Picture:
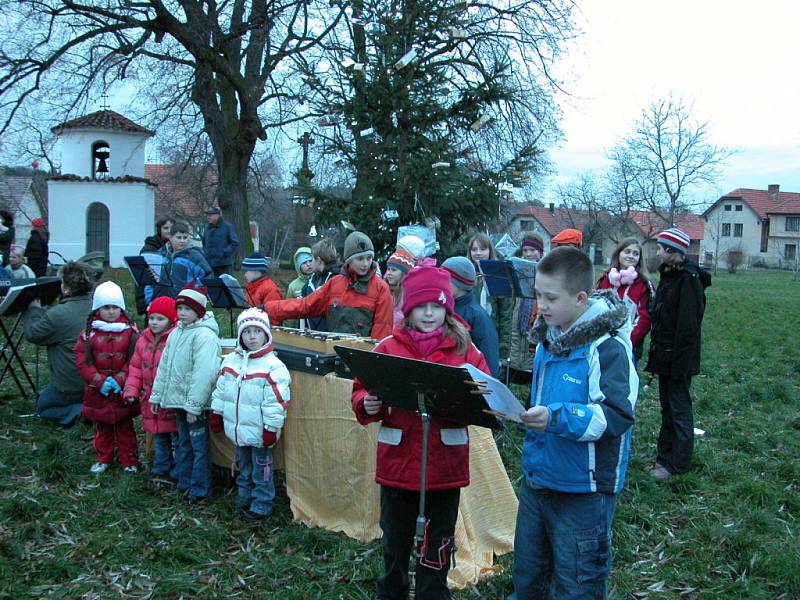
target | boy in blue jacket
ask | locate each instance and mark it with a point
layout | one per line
(576, 448)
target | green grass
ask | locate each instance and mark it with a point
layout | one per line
(727, 529)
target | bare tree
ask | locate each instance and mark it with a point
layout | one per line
(669, 153)
(219, 61)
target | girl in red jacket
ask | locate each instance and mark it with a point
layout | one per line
(161, 318)
(102, 353)
(628, 275)
(431, 332)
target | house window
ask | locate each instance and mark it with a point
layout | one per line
(738, 229)
(526, 225)
(790, 252)
(792, 223)
(738, 208)
(726, 230)
(728, 207)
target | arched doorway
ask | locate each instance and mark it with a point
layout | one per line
(97, 229)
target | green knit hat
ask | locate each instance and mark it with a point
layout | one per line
(356, 245)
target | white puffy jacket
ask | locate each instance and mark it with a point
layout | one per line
(252, 394)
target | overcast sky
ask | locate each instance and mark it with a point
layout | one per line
(737, 61)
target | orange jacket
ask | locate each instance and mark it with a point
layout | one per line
(260, 292)
(346, 310)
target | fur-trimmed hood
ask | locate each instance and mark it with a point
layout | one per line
(607, 313)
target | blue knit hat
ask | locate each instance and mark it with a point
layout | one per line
(256, 262)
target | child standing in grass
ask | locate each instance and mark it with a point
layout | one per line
(431, 332)
(102, 354)
(575, 453)
(184, 380)
(251, 398)
(161, 317)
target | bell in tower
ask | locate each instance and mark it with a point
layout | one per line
(100, 156)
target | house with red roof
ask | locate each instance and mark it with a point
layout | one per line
(20, 196)
(763, 226)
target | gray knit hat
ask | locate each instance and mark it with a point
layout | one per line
(462, 271)
(356, 245)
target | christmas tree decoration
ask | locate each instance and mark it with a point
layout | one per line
(389, 214)
(481, 122)
(328, 121)
(406, 59)
(348, 225)
(458, 33)
(313, 231)
(440, 165)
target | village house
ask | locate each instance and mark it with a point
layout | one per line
(20, 196)
(753, 227)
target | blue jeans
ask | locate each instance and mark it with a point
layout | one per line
(562, 546)
(163, 460)
(256, 485)
(192, 459)
(62, 407)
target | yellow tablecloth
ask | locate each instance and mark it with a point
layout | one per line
(330, 476)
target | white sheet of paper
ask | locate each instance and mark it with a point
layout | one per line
(500, 399)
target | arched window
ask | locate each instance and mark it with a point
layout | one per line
(101, 155)
(97, 229)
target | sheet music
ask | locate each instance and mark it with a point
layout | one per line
(500, 399)
(526, 273)
(156, 262)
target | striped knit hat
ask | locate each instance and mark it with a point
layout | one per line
(401, 260)
(254, 317)
(193, 297)
(674, 238)
(462, 271)
(256, 262)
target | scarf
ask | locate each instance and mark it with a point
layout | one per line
(426, 342)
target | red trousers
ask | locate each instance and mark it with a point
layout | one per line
(121, 434)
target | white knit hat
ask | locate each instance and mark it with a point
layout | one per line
(413, 244)
(253, 317)
(108, 293)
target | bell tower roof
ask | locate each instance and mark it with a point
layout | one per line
(102, 120)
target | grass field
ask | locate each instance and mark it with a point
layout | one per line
(727, 529)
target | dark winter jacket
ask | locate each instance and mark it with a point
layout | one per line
(104, 353)
(152, 244)
(585, 378)
(317, 280)
(36, 251)
(57, 328)
(482, 330)
(220, 243)
(400, 436)
(6, 239)
(500, 309)
(362, 306)
(676, 319)
(139, 384)
(180, 268)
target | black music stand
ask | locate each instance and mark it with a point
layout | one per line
(226, 292)
(148, 269)
(430, 389)
(17, 298)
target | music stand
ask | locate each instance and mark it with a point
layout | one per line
(148, 270)
(17, 298)
(432, 390)
(226, 292)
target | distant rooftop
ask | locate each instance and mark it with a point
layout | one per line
(104, 120)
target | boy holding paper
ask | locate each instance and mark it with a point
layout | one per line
(576, 448)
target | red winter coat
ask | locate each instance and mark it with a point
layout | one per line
(99, 355)
(400, 436)
(139, 384)
(345, 309)
(262, 291)
(637, 292)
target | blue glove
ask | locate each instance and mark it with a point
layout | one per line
(115, 387)
(105, 389)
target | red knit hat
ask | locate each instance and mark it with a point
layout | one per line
(401, 259)
(567, 238)
(427, 284)
(165, 306)
(193, 297)
(38, 222)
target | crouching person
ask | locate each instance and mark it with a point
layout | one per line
(251, 399)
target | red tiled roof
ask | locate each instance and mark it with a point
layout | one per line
(651, 223)
(559, 219)
(123, 179)
(762, 202)
(106, 120)
(177, 192)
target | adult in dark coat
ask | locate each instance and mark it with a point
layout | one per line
(153, 243)
(675, 349)
(37, 250)
(57, 328)
(6, 234)
(220, 242)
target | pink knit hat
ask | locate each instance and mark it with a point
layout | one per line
(427, 284)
